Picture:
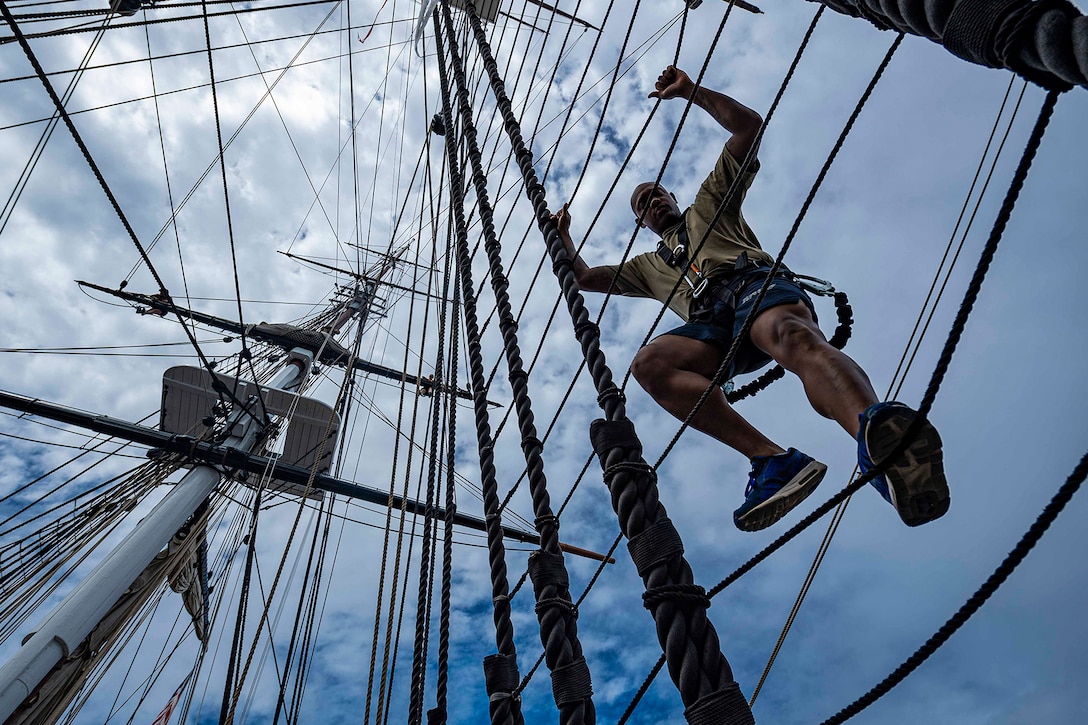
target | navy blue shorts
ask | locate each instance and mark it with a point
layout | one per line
(722, 324)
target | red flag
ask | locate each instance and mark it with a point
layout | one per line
(164, 716)
(371, 30)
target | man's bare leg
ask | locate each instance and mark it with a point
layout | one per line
(676, 371)
(836, 386)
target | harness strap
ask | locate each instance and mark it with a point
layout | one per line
(679, 258)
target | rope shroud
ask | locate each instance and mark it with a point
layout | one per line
(1044, 41)
(696, 664)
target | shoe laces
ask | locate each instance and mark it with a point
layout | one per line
(753, 475)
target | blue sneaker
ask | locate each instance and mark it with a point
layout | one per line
(775, 485)
(914, 483)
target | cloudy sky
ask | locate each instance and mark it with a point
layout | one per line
(1009, 410)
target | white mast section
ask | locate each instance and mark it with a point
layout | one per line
(72, 620)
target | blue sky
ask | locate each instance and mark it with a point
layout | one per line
(1010, 409)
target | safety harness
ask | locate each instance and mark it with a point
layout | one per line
(726, 289)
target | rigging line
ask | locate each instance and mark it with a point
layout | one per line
(467, 484)
(743, 333)
(200, 519)
(307, 584)
(105, 186)
(559, 297)
(403, 600)
(551, 152)
(106, 347)
(245, 354)
(307, 595)
(615, 78)
(335, 166)
(55, 507)
(393, 472)
(225, 560)
(294, 147)
(382, 90)
(551, 157)
(379, 527)
(61, 14)
(30, 418)
(748, 160)
(419, 648)
(558, 627)
(380, 158)
(43, 3)
(294, 526)
(398, 165)
(570, 389)
(39, 148)
(256, 302)
(451, 506)
(226, 713)
(66, 445)
(810, 577)
(901, 372)
(547, 90)
(582, 597)
(970, 223)
(184, 89)
(51, 580)
(82, 28)
(211, 166)
(502, 709)
(490, 124)
(274, 623)
(974, 603)
(114, 354)
(393, 475)
(50, 472)
(354, 145)
(516, 185)
(142, 620)
(310, 635)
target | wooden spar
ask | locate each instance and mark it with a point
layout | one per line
(169, 306)
(361, 277)
(202, 451)
(562, 14)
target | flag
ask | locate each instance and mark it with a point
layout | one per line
(164, 716)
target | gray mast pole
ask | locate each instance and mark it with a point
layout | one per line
(73, 619)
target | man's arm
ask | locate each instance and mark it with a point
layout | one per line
(732, 115)
(590, 279)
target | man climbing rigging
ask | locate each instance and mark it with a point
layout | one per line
(717, 293)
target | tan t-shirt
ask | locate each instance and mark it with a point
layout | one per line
(647, 275)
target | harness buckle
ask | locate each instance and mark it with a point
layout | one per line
(815, 285)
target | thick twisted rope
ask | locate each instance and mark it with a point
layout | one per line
(1044, 41)
(696, 664)
(975, 602)
(419, 652)
(555, 612)
(504, 708)
(438, 714)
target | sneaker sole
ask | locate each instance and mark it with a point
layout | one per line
(780, 504)
(916, 481)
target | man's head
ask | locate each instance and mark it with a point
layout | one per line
(656, 207)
